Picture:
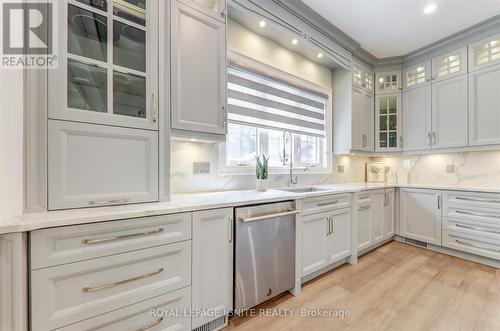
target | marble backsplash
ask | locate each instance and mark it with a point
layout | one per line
(183, 154)
(467, 169)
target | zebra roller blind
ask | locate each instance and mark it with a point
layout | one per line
(257, 100)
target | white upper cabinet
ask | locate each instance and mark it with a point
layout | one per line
(362, 119)
(449, 65)
(198, 69)
(388, 82)
(95, 165)
(362, 77)
(108, 64)
(417, 118)
(388, 132)
(214, 8)
(484, 106)
(484, 53)
(417, 75)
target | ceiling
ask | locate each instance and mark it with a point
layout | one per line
(388, 28)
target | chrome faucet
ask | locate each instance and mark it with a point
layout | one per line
(292, 180)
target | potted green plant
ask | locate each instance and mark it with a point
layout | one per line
(262, 172)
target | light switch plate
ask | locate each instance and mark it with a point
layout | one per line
(450, 168)
(201, 168)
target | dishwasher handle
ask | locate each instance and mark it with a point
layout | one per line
(265, 217)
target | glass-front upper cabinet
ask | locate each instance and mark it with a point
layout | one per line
(214, 8)
(485, 52)
(387, 82)
(450, 65)
(417, 75)
(388, 137)
(108, 64)
(362, 77)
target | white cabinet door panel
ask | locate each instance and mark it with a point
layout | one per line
(340, 238)
(377, 217)
(214, 8)
(314, 243)
(421, 215)
(198, 69)
(484, 106)
(389, 214)
(93, 165)
(449, 112)
(362, 120)
(212, 285)
(417, 118)
(364, 226)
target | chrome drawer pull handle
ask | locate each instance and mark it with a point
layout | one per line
(363, 207)
(125, 236)
(321, 204)
(121, 282)
(476, 246)
(475, 228)
(149, 326)
(265, 217)
(107, 202)
(477, 199)
(476, 214)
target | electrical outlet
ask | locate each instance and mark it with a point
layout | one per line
(201, 168)
(450, 168)
(340, 168)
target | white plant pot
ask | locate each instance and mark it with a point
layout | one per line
(262, 185)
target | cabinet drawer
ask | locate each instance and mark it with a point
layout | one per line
(364, 198)
(472, 244)
(324, 203)
(473, 227)
(454, 200)
(50, 247)
(139, 317)
(74, 292)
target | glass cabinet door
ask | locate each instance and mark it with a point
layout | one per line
(388, 122)
(388, 82)
(107, 73)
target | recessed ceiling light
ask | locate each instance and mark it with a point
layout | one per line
(294, 41)
(320, 55)
(262, 24)
(430, 8)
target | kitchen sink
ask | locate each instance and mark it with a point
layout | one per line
(302, 189)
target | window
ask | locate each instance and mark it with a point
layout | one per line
(261, 108)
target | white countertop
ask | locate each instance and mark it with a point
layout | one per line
(191, 202)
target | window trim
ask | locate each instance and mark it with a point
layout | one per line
(250, 63)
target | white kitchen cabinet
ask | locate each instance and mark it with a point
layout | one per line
(377, 217)
(198, 72)
(449, 65)
(420, 215)
(417, 75)
(388, 82)
(484, 53)
(315, 244)
(389, 210)
(212, 286)
(214, 8)
(326, 239)
(14, 282)
(484, 106)
(94, 165)
(388, 123)
(108, 64)
(362, 119)
(449, 112)
(362, 77)
(417, 117)
(364, 225)
(340, 233)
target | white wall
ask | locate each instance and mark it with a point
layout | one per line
(11, 143)
(183, 154)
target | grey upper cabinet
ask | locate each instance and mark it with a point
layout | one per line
(388, 122)
(108, 64)
(198, 71)
(417, 118)
(388, 82)
(362, 120)
(214, 8)
(484, 92)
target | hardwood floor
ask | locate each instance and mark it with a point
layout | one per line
(395, 287)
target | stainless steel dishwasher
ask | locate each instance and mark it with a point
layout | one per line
(265, 252)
